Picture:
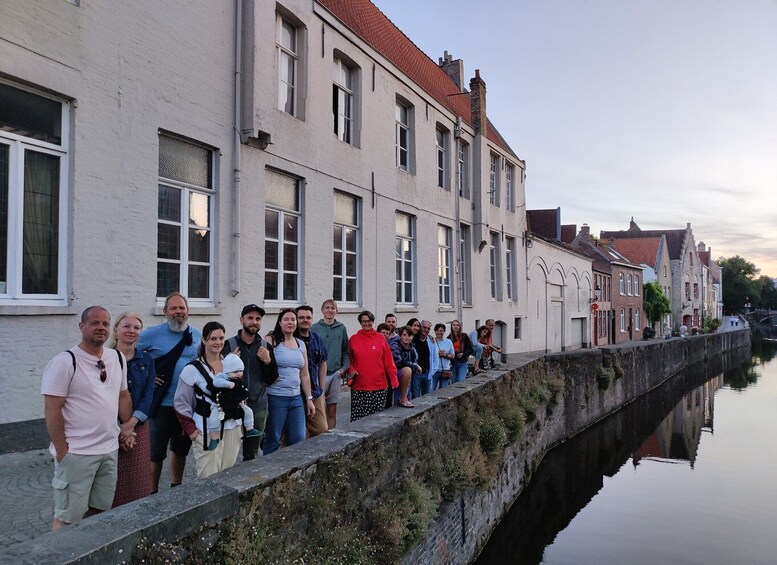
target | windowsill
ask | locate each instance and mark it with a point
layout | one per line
(446, 308)
(406, 308)
(467, 306)
(193, 311)
(38, 310)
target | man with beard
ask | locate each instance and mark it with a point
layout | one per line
(172, 344)
(260, 368)
(84, 392)
(391, 320)
(317, 356)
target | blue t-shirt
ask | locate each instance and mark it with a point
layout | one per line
(316, 354)
(158, 340)
(290, 362)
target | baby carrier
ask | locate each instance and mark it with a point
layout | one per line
(227, 400)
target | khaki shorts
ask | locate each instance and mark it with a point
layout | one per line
(332, 392)
(82, 482)
(317, 424)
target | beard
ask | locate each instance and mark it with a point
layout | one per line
(178, 324)
(250, 330)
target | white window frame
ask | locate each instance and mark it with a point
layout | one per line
(623, 320)
(444, 259)
(462, 168)
(343, 104)
(628, 285)
(494, 266)
(17, 145)
(622, 284)
(509, 187)
(493, 179)
(340, 296)
(400, 128)
(636, 320)
(636, 285)
(185, 224)
(441, 142)
(465, 264)
(284, 54)
(281, 242)
(510, 268)
(405, 281)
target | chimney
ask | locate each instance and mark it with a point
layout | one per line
(585, 231)
(701, 247)
(477, 96)
(454, 68)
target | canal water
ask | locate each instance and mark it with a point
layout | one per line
(685, 474)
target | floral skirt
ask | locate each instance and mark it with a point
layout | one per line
(134, 469)
(366, 402)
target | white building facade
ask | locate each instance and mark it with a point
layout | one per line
(239, 152)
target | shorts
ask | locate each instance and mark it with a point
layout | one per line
(332, 392)
(165, 429)
(317, 424)
(82, 482)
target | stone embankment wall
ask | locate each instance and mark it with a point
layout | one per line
(417, 486)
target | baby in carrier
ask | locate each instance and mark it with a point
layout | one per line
(233, 371)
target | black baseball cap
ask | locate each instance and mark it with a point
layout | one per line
(252, 308)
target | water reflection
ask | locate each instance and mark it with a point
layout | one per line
(664, 426)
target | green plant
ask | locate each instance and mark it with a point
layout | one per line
(604, 377)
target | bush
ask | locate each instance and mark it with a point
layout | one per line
(648, 333)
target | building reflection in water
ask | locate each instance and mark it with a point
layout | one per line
(663, 425)
(677, 437)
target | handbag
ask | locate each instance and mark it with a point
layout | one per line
(446, 374)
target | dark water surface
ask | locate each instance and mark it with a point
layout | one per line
(685, 474)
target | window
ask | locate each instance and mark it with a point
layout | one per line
(517, 328)
(687, 291)
(405, 259)
(342, 100)
(462, 169)
(636, 285)
(282, 224)
(33, 181)
(623, 320)
(622, 285)
(696, 290)
(286, 43)
(345, 263)
(510, 268)
(664, 270)
(444, 264)
(636, 320)
(465, 269)
(628, 285)
(493, 181)
(402, 135)
(494, 269)
(184, 227)
(442, 157)
(509, 190)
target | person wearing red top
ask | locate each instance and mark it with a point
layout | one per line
(372, 369)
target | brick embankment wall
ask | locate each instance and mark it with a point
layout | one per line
(414, 486)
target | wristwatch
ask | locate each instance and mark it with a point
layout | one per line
(310, 398)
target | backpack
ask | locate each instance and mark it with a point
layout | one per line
(73, 357)
(227, 400)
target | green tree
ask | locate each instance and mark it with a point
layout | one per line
(767, 293)
(739, 283)
(654, 303)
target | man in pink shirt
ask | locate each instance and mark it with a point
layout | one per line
(84, 392)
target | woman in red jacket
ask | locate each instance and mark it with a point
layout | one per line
(372, 369)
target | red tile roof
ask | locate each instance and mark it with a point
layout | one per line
(674, 238)
(639, 250)
(368, 22)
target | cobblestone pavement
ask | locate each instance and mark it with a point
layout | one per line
(27, 502)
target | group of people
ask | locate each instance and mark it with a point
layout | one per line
(125, 395)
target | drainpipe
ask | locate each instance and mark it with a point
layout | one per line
(236, 152)
(457, 218)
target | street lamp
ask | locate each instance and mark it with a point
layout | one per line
(597, 295)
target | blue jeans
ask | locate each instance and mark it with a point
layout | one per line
(459, 372)
(286, 414)
(478, 347)
(420, 384)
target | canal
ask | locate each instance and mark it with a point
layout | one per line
(684, 474)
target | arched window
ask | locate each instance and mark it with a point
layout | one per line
(622, 285)
(636, 285)
(628, 285)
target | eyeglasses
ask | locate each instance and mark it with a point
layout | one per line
(103, 374)
(365, 321)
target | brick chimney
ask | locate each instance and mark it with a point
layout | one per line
(585, 231)
(477, 96)
(454, 69)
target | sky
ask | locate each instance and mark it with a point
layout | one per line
(662, 110)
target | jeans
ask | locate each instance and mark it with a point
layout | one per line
(251, 444)
(420, 384)
(459, 372)
(286, 414)
(478, 347)
(439, 382)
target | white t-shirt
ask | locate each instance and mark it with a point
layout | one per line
(91, 407)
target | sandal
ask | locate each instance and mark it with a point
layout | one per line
(406, 404)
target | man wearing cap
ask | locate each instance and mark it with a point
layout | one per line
(260, 367)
